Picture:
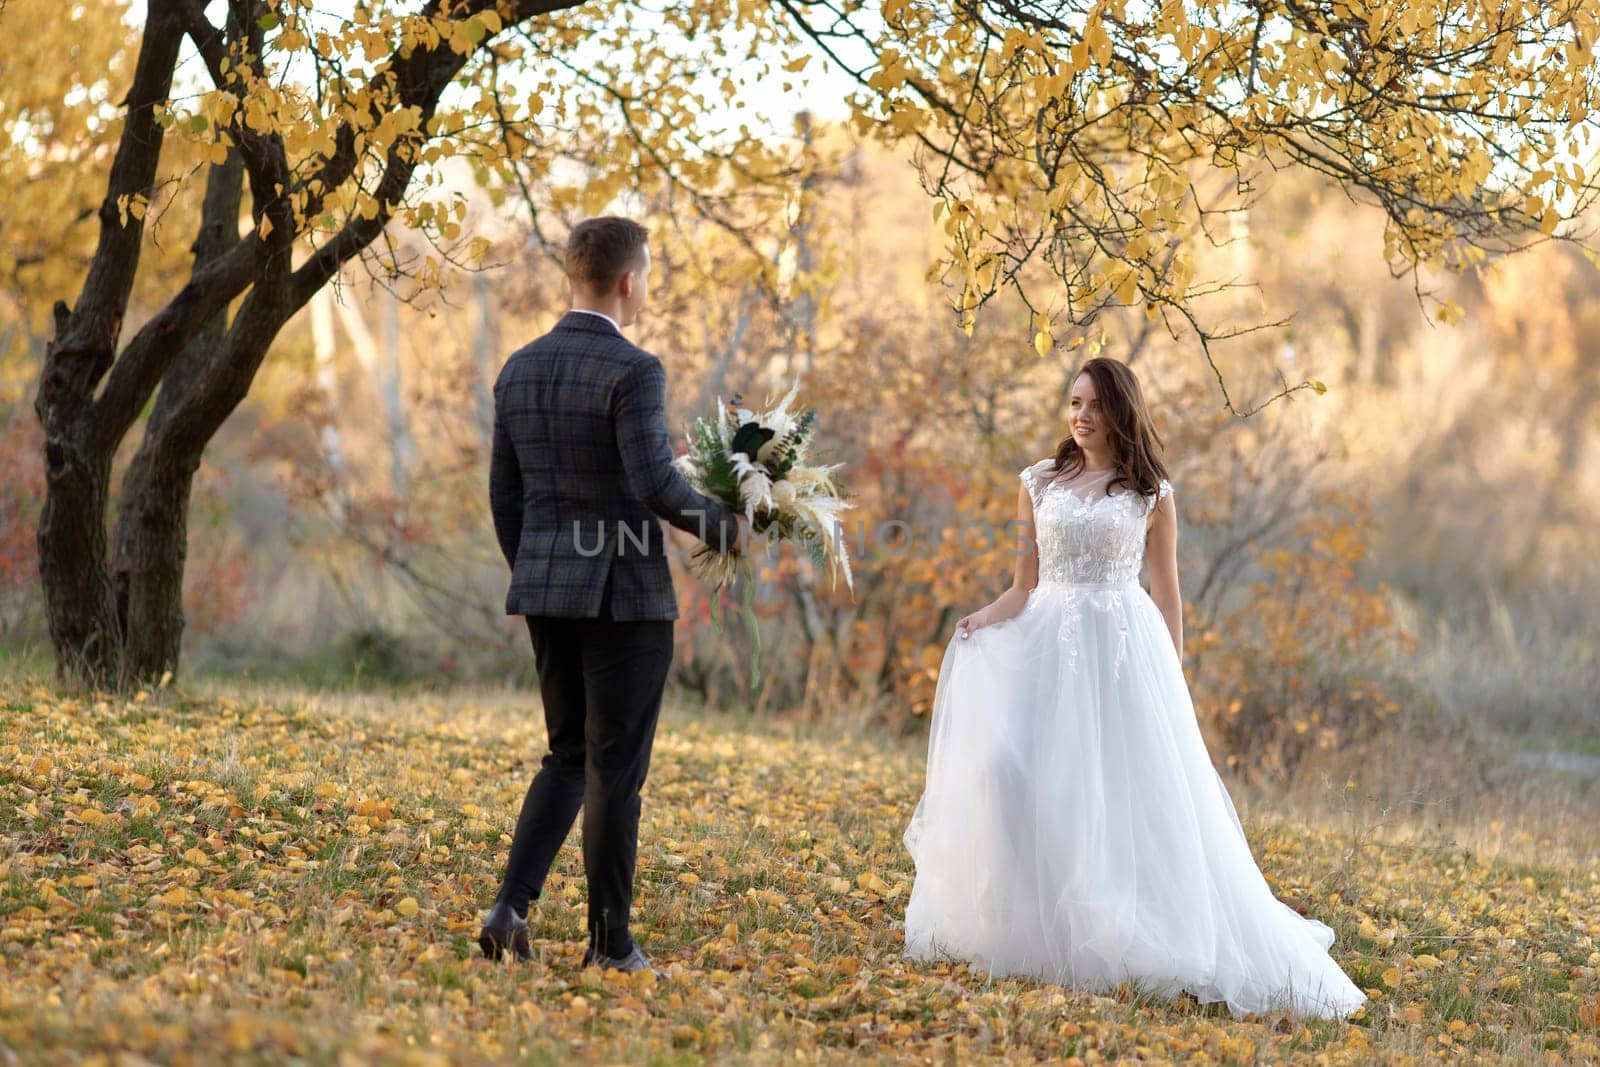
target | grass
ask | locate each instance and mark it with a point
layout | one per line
(277, 874)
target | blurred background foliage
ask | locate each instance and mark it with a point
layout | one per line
(1414, 550)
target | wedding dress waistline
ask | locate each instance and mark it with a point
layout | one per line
(1053, 583)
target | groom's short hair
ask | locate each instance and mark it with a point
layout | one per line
(600, 251)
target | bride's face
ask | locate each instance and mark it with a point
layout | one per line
(1084, 417)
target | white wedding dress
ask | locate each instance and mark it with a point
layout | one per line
(1072, 827)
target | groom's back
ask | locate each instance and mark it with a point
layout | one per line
(555, 396)
(581, 470)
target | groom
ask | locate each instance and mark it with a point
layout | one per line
(581, 466)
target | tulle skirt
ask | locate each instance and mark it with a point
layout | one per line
(1072, 826)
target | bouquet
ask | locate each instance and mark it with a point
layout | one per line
(758, 464)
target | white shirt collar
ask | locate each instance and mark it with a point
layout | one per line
(602, 314)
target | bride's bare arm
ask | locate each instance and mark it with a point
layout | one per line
(1161, 554)
(1024, 576)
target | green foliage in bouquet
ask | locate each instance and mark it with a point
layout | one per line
(789, 449)
(714, 473)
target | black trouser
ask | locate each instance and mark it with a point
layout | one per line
(601, 682)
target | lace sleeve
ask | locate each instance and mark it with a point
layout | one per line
(1030, 479)
(1163, 491)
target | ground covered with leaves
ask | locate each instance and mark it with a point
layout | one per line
(192, 879)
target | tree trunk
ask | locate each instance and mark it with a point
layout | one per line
(78, 449)
(90, 394)
(380, 359)
(151, 548)
(152, 533)
(486, 357)
(72, 558)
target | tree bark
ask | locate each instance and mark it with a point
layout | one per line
(79, 599)
(151, 542)
(72, 548)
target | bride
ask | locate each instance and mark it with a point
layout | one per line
(1072, 827)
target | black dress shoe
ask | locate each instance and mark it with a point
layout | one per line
(504, 930)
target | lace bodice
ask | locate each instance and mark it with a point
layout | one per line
(1083, 534)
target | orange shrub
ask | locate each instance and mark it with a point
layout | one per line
(1306, 661)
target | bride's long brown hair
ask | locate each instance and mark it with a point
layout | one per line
(1135, 445)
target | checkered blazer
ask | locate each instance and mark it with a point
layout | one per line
(580, 468)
